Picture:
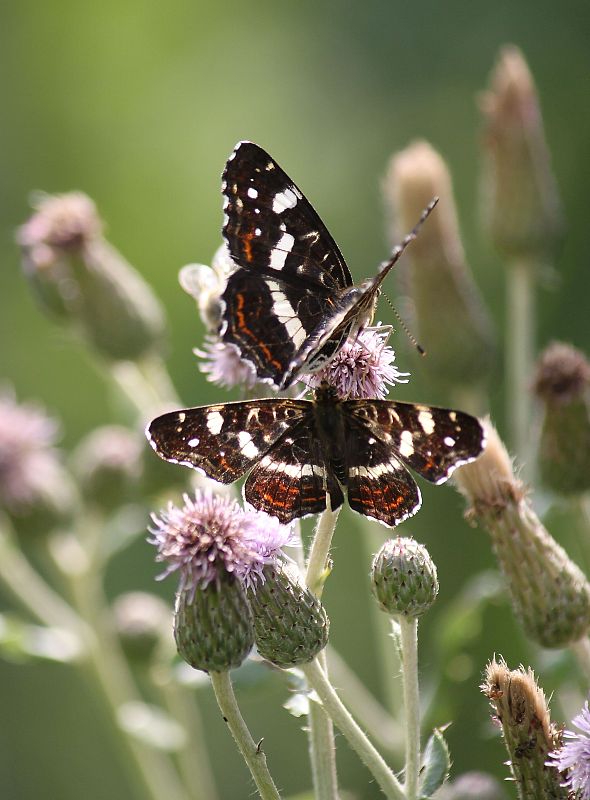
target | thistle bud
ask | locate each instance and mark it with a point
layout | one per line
(290, 623)
(108, 464)
(85, 283)
(451, 319)
(521, 708)
(550, 594)
(562, 383)
(521, 203)
(142, 622)
(213, 628)
(403, 578)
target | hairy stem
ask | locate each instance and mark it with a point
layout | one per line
(409, 643)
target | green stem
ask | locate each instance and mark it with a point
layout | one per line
(31, 591)
(359, 742)
(409, 644)
(520, 353)
(252, 753)
(386, 730)
(146, 386)
(322, 747)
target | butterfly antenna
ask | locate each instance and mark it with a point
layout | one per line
(405, 328)
(408, 239)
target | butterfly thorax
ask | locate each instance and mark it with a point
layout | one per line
(362, 312)
(329, 423)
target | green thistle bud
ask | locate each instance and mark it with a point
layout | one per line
(85, 283)
(213, 629)
(550, 594)
(521, 203)
(290, 623)
(562, 383)
(451, 318)
(521, 708)
(403, 578)
(108, 463)
(142, 622)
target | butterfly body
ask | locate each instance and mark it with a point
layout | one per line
(298, 453)
(291, 303)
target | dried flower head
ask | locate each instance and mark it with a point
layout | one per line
(212, 535)
(223, 365)
(573, 757)
(363, 367)
(562, 384)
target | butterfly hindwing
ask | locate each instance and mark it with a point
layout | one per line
(224, 441)
(291, 481)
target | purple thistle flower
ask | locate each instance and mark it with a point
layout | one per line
(212, 534)
(29, 463)
(223, 365)
(573, 758)
(362, 368)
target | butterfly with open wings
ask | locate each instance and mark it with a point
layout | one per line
(290, 304)
(300, 452)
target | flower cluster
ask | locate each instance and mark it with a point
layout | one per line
(573, 758)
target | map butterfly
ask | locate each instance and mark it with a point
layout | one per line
(298, 452)
(291, 302)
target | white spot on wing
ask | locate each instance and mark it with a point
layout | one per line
(285, 313)
(181, 416)
(406, 445)
(193, 442)
(449, 441)
(284, 200)
(247, 446)
(281, 251)
(426, 421)
(214, 422)
(252, 192)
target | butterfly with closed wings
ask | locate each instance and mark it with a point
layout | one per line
(290, 304)
(300, 452)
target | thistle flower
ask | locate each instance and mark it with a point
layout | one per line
(206, 284)
(223, 365)
(451, 318)
(362, 368)
(211, 535)
(403, 578)
(562, 383)
(550, 594)
(521, 708)
(82, 281)
(573, 757)
(32, 478)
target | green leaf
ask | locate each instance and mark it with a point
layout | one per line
(436, 763)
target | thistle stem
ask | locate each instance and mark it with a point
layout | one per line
(520, 337)
(322, 747)
(359, 742)
(252, 753)
(409, 645)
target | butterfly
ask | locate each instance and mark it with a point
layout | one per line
(290, 304)
(298, 453)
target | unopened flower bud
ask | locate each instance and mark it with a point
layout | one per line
(562, 383)
(84, 282)
(521, 708)
(403, 578)
(142, 622)
(452, 322)
(290, 623)
(521, 203)
(213, 628)
(108, 464)
(550, 594)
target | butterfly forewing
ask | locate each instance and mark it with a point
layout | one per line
(432, 441)
(224, 441)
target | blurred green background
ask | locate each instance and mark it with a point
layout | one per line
(139, 104)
